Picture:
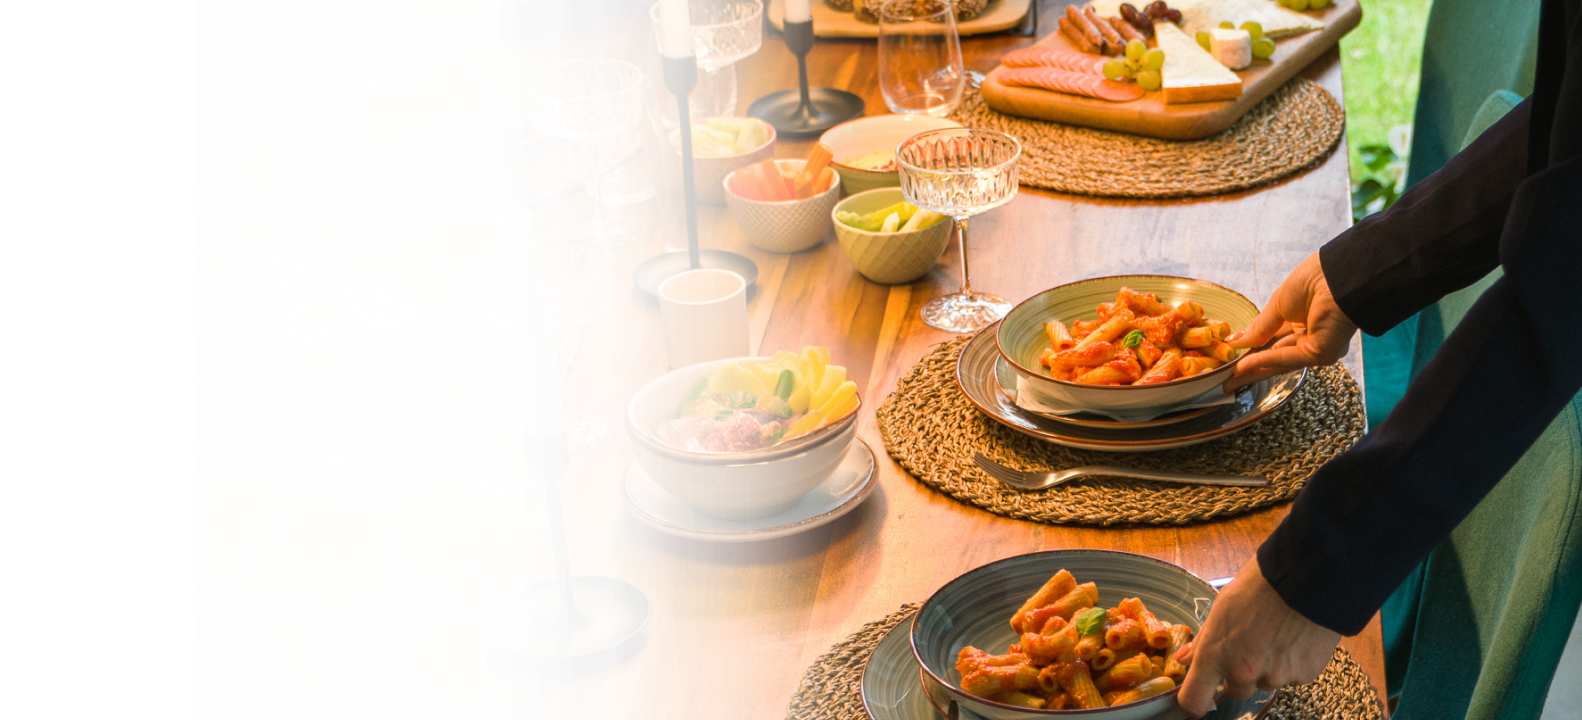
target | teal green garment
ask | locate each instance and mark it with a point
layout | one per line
(1477, 630)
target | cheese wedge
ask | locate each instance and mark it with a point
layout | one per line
(1190, 73)
(1277, 21)
(1232, 48)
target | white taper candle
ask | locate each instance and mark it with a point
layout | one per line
(675, 29)
(535, 367)
(798, 11)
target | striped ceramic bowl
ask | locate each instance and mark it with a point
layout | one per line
(976, 608)
(1022, 341)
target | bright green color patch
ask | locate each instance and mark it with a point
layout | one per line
(1380, 64)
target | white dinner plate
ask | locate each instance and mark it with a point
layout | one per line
(846, 488)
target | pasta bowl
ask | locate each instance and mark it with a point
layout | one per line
(394, 125)
(427, 277)
(867, 138)
(974, 608)
(733, 485)
(1021, 340)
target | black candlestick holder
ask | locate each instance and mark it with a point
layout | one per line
(805, 111)
(681, 76)
(568, 617)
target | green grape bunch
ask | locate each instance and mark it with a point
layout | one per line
(1140, 64)
(1300, 5)
(1262, 47)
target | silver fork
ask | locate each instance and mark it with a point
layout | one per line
(1034, 480)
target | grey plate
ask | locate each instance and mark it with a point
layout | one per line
(892, 689)
(976, 376)
(302, 666)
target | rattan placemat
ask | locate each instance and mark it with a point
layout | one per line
(1294, 128)
(932, 430)
(271, 450)
(831, 689)
(356, 689)
(279, 170)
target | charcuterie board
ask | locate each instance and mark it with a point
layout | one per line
(831, 23)
(1150, 115)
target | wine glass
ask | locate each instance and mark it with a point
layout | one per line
(920, 67)
(723, 32)
(960, 172)
(375, 445)
(588, 101)
(575, 277)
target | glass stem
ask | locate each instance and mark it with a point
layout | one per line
(560, 378)
(961, 239)
(389, 535)
(598, 182)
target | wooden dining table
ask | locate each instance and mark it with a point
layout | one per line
(734, 625)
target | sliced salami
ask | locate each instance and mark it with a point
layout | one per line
(1055, 58)
(1074, 83)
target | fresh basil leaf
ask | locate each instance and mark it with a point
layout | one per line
(1133, 339)
(1090, 621)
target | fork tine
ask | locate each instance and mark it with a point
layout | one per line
(996, 470)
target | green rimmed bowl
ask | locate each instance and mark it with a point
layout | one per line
(1022, 341)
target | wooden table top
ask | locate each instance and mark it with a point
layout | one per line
(735, 625)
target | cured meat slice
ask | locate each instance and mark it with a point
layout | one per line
(1074, 83)
(1055, 58)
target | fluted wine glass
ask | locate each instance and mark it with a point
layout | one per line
(960, 172)
(589, 101)
(375, 445)
(575, 277)
(723, 33)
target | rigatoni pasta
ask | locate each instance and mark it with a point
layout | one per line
(1072, 654)
(1137, 341)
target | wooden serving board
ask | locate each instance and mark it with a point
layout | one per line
(831, 23)
(1189, 121)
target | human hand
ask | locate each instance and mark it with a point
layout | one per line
(1251, 640)
(1311, 328)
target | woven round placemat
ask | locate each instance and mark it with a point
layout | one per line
(356, 689)
(276, 166)
(932, 430)
(831, 689)
(1294, 128)
(271, 448)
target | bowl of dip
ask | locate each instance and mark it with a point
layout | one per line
(863, 150)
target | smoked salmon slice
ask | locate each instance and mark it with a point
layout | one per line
(1066, 81)
(1055, 58)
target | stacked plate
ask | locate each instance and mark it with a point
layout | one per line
(989, 382)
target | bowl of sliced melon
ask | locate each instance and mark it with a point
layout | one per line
(745, 437)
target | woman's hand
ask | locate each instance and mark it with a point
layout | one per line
(1311, 328)
(1251, 640)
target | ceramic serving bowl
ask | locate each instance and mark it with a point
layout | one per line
(787, 226)
(975, 609)
(731, 485)
(856, 139)
(889, 258)
(709, 171)
(345, 81)
(1021, 340)
(233, 644)
(426, 276)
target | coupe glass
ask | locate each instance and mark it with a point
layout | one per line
(450, 668)
(588, 101)
(960, 172)
(575, 279)
(377, 445)
(920, 68)
(723, 32)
